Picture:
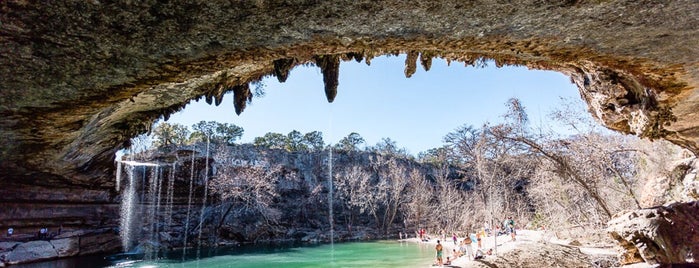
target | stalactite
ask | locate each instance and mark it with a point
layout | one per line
(330, 67)
(282, 68)
(368, 55)
(410, 64)
(220, 90)
(219, 99)
(426, 60)
(241, 95)
(358, 57)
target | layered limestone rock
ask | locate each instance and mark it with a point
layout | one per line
(665, 234)
(31, 251)
(68, 244)
(81, 78)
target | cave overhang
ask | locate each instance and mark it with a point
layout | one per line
(80, 79)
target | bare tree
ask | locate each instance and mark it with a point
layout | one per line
(418, 208)
(251, 187)
(352, 184)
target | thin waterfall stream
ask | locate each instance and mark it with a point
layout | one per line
(331, 218)
(189, 207)
(127, 204)
(206, 188)
(170, 195)
(118, 175)
(156, 234)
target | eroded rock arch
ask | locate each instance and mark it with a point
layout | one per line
(80, 78)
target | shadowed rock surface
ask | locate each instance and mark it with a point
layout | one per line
(80, 78)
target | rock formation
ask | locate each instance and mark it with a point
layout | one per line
(665, 234)
(534, 255)
(79, 79)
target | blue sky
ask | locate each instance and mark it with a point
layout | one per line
(377, 101)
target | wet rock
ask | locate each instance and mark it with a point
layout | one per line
(30, 252)
(67, 247)
(660, 235)
(7, 246)
(98, 242)
(165, 236)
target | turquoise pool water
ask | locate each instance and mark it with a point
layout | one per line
(355, 254)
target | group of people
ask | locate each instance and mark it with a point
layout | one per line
(464, 247)
(43, 232)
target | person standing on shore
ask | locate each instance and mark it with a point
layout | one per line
(511, 227)
(467, 249)
(440, 253)
(478, 238)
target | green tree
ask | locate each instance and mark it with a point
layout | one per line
(202, 130)
(351, 142)
(295, 142)
(216, 132)
(166, 134)
(271, 140)
(314, 140)
(228, 133)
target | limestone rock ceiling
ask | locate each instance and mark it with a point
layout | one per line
(80, 78)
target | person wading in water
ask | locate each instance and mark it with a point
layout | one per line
(440, 253)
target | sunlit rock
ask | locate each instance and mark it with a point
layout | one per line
(660, 235)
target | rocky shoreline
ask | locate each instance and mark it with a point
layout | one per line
(65, 245)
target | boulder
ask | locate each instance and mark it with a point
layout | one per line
(659, 235)
(31, 252)
(536, 255)
(67, 247)
(8, 246)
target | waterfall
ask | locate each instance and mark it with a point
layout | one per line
(151, 219)
(331, 219)
(127, 205)
(143, 188)
(128, 229)
(189, 208)
(157, 210)
(206, 191)
(170, 195)
(330, 195)
(118, 175)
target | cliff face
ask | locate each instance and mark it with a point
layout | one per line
(162, 203)
(284, 195)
